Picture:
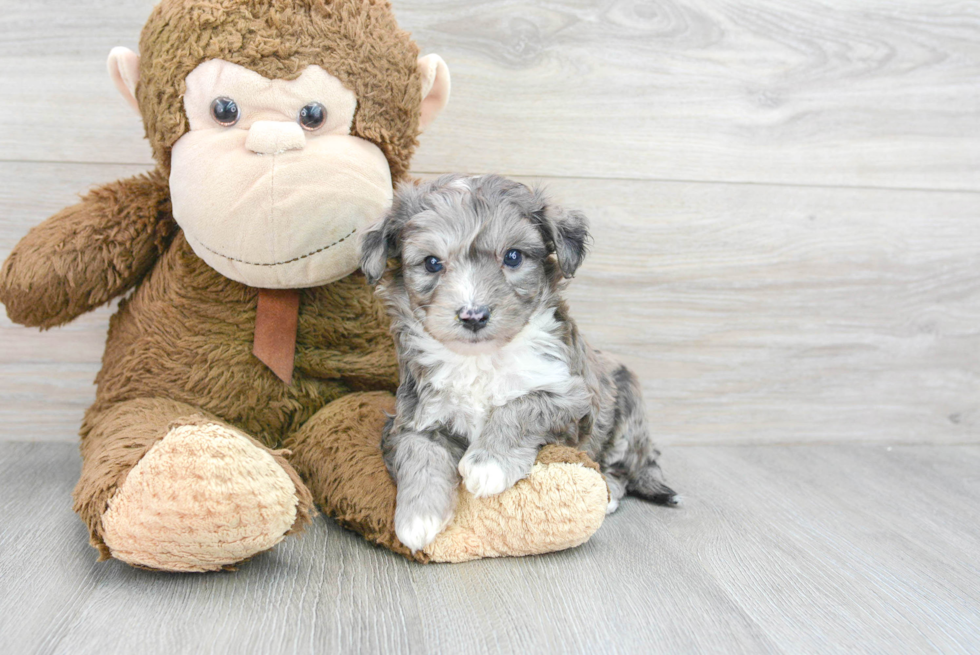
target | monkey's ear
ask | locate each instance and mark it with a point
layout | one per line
(435, 88)
(124, 69)
(568, 233)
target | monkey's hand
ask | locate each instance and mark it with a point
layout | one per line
(89, 253)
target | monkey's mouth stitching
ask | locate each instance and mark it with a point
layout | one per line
(286, 261)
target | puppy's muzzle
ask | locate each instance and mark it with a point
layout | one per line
(474, 319)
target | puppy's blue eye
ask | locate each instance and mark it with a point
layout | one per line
(432, 264)
(513, 258)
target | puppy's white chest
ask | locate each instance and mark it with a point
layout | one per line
(461, 390)
(483, 381)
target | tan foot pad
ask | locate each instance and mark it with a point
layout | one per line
(202, 498)
(558, 506)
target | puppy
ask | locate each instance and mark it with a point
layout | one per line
(492, 367)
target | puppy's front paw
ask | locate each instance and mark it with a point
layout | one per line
(417, 530)
(483, 475)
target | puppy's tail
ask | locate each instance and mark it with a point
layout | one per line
(649, 485)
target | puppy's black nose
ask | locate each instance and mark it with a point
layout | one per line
(474, 319)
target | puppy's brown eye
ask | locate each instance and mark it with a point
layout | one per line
(224, 111)
(312, 116)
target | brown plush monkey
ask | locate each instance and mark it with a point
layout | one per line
(279, 128)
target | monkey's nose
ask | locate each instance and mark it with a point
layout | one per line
(273, 137)
(474, 319)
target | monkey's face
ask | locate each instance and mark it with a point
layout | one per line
(269, 186)
(282, 124)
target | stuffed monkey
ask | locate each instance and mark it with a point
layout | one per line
(248, 369)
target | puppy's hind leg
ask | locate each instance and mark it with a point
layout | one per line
(638, 461)
(648, 483)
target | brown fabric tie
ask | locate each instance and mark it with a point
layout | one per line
(276, 320)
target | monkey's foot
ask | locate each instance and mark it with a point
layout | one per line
(559, 505)
(203, 498)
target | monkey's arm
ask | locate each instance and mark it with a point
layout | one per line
(88, 253)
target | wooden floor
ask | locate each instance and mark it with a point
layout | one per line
(806, 549)
(785, 199)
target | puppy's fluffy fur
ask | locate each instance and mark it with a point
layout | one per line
(492, 367)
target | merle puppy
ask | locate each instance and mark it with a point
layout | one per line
(492, 367)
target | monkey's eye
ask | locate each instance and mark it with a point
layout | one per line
(224, 111)
(432, 264)
(513, 258)
(312, 116)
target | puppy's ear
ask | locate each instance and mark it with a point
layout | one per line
(567, 232)
(374, 252)
(383, 240)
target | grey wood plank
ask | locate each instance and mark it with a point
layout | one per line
(786, 91)
(46, 378)
(45, 402)
(776, 549)
(323, 592)
(836, 540)
(805, 92)
(781, 314)
(650, 597)
(48, 571)
(330, 591)
(752, 313)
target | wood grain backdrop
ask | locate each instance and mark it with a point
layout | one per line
(785, 195)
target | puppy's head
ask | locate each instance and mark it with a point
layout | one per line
(478, 256)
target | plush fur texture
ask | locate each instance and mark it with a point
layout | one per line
(535, 523)
(230, 495)
(119, 441)
(491, 365)
(338, 450)
(559, 506)
(186, 334)
(89, 253)
(264, 201)
(179, 349)
(277, 39)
